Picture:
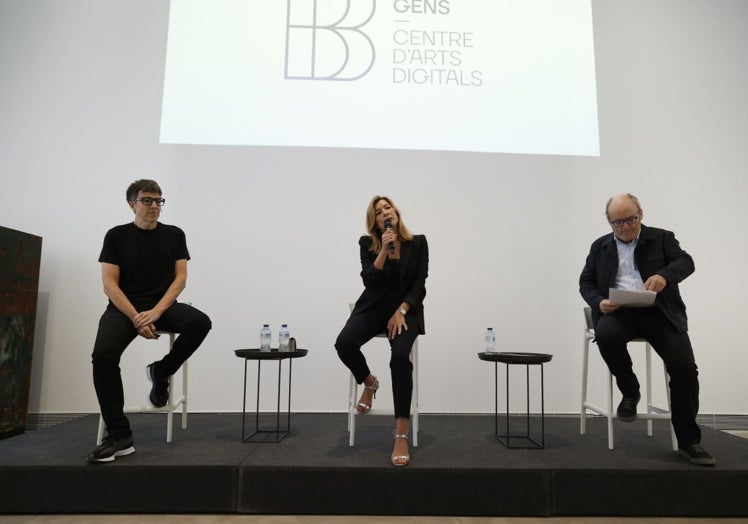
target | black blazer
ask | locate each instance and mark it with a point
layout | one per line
(657, 253)
(414, 268)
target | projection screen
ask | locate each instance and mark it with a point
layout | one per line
(513, 76)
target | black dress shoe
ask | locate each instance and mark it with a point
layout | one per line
(627, 408)
(697, 455)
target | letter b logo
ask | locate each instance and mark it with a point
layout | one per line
(324, 40)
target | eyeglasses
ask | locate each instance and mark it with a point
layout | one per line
(618, 222)
(148, 201)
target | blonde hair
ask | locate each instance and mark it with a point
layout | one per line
(403, 234)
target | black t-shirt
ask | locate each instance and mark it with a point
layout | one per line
(146, 258)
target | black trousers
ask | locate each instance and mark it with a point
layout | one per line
(362, 327)
(615, 330)
(115, 334)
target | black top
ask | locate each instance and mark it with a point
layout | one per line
(392, 297)
(146, 258)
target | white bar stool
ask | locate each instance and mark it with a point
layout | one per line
(653, 412)
(353, 397)
(170, 406)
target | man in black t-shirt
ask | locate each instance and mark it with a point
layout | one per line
(143, 269)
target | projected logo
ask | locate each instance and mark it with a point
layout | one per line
(325, 40)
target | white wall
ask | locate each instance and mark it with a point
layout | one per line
(273, 231)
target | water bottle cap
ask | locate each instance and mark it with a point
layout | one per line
(490, 329)
(265, 325)
(284, 325)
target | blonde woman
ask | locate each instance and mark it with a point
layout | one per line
(394, 267)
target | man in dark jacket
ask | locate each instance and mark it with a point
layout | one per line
(637, 257)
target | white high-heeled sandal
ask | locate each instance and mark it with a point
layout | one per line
(400, 460)
(365, 408)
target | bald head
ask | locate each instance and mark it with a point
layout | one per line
(624, 216)
(623, 199)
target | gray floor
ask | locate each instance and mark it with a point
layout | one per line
(303, 519)
(294, 519)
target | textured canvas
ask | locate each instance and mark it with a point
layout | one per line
(20, 256)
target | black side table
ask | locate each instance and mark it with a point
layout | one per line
(259, 356)
(527, 359)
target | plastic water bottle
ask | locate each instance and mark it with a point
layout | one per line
(265, 335)
(283, 337)
(490, 341)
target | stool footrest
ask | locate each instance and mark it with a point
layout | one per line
(151, 409)
(654, 413)
(597, 409)
(654, 410)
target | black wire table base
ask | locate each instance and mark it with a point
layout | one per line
(518, 439)
(277, 434)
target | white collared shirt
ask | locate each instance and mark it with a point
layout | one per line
(628, 276)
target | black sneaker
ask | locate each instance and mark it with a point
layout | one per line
(627, 408)
(109, 449)
(159, 395)
(697, 455)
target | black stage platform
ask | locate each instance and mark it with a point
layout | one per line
(458, 469)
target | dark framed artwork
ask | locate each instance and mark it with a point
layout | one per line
(20, 258)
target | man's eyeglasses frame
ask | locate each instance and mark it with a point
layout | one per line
(619, 222)
(148, 201)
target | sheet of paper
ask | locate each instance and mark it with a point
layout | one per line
(631, 298)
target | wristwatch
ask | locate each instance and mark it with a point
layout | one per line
(402, 311)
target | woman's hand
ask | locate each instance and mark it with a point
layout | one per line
(396, 324)
(388, 237)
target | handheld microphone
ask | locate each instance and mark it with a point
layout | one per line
(388, 227)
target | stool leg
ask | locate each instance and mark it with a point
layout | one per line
(542, 406)
(414, 358)
(610, 410)
(170, 410)
(585, 363)
(648, 356)
(100, 433)
(184, 395)
(352, 393)
(170, 406)
(670, 409)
